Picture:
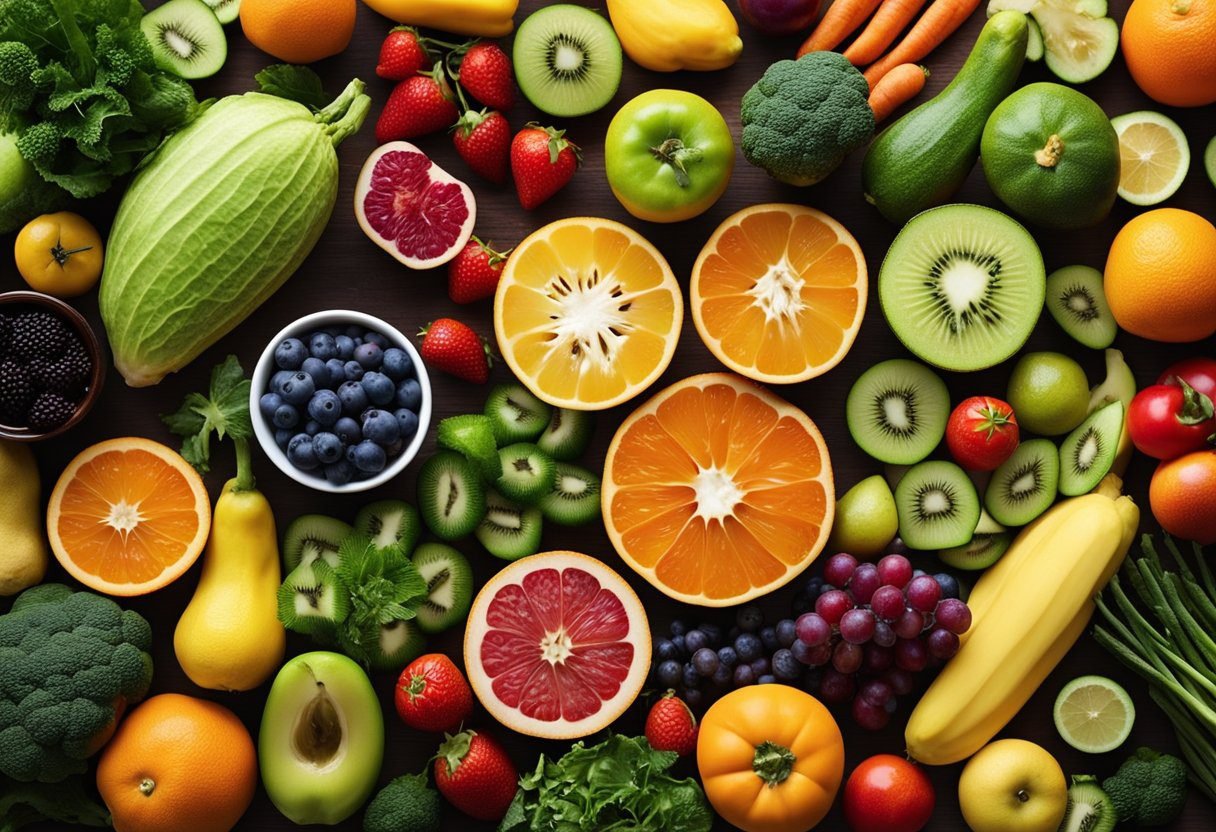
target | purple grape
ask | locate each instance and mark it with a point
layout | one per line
(839, 569)
(870, 717)
(744, 676)
(846, 657)
(864, 582)
(727, 656)
(768, 637)
(832, 606)
(705, 661)
(785, 666)
(901, 681)
(694, 640)
(787, 632)
(836, 688)
(749, 618)
(813, 629)
(876, 692)
(884, 635)
(953, 615)
(942, 644)
(819, 655)
(923, 593)
(857, 626)
(877, 659)
(911, 655)
(670, 673)
(888, 602)
(748, 646)
(895, 570)
(909, 625)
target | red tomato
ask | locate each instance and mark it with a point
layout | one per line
(1166, 421)
(982, 433)
(1183, 497)
(1198, 372)
(888, 794)
(433, 695)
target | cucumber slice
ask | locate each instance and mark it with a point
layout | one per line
(1077, 47)
(1034, 41)
(1209, 160)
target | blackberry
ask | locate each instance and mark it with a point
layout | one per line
(68, 376)
(15, 392)
(49, 411)
(6, 331)
(38, 335)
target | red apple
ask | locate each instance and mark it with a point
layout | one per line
(888, 794)
(779, 17)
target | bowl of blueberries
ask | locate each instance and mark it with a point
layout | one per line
(341, 400)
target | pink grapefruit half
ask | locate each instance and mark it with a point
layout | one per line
(557, 646)
(412, 208)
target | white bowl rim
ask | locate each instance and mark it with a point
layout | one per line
(265, 368)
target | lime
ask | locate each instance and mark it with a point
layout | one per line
(1094, 714)
(1209, 160)
(1153, 154)
(866, 520)
(1049, 393)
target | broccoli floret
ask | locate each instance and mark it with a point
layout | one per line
(70, 664)
(1149, 789)
(803, 117)
(405, 803)
(17, 65)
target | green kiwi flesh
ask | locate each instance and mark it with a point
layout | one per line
(567, 435)
(516, 415)
(311, 599)
(527, 473)
(1025, 485)
(567, 60)
(937, 506)
(312, 536)
(987, 525)
(509, 530)
(1076, 301)
(187, 38)
(1087, 454)
(450, 495)
(897, 411)
(449, 587)
(226, 11)
(390, 523)
(962, 286)
(575, 498)
(472, 435)
(1090, 809)
(399, 644)
(983, 550)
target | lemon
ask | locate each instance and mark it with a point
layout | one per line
(1153, 157)
(1049, 393)
(1094, 714)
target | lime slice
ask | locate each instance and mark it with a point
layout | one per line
(1094, 714)
(1153, 156)
(1209, 160)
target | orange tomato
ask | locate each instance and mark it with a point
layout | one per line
(299, 31)
(771, 758)
(1168, 48)
(1183, 496)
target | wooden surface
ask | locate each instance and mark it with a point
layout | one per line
(347, 270)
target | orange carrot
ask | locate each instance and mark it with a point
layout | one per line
(896, 87)
(890, 19)
(842, 19)
(934, 26)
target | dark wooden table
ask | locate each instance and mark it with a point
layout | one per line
(347, 270)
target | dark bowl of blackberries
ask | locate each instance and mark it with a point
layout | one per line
(51, 367)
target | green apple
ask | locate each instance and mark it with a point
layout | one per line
(1012, 786)
(322, 739)
(866, 520)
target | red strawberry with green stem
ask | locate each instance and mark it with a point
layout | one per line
(484, 70)
(473, 274)
(543, 160)
(402, 54)
(420, 104)
(475, 774)
(455, 348)
(671, 726)
(483, 140)
(433, 695)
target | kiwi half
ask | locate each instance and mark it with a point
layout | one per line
(1024, 486)
(450, 495)
(897, 411)
(449, 586)
(1087, 454)
(509, 530)
(226, 11)
(962, 286)
(937, 506)
(983, 550)
(313, 536)
(1090, 809)
(1076, 301)
(567, 60)
(312, 600)
(390, 523)
(516, 415)
(527, 473)
(575, 498)
(187, 38)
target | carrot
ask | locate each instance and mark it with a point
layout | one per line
(934, 26)
(890, 19)
(896, 87)
(842, 19)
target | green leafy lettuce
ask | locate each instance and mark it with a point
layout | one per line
(295, 83)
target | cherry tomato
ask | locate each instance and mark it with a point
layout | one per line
(1199, 372)
(888, 794)
(982, 433)
(1183, 496)
(1166, 421)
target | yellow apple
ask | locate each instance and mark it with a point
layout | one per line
(1013, 786)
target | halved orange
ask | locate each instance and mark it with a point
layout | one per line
(716, 491)
(128, 516)
(778, 292)
(587, 313)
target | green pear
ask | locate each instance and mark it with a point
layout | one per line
(866, 520)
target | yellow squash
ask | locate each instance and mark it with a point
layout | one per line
(1027, 612)
(668, 35)
(483, 18)
(22, 551)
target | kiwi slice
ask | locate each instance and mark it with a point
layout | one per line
(1076, 300)
(962, 286)
(400, 642)
(937, 506)
(575, 498)
(186, 37)
(226, 11)
(1087, 454)
(567, 60)
(1024, 486)
(515, 414)
(527, 473)
(1090, 809)
(509, 530)
(312, 599)
(983, 550)
(986, 524)
(313, 536)
(450, 495)
(449, 587)
(473, 436)
(567, 435)
(897, 411)
(390, 523)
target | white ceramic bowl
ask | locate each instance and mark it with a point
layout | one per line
(266, 368)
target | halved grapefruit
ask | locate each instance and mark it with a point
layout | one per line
(716, 491)
(557, 646)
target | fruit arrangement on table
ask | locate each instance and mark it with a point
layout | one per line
(823, 570)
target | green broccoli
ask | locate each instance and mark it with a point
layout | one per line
(405, 803)
(70, 664)
(803, 117)
(1149, 789)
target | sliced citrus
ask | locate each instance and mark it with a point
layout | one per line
(587, 313)
(1094, 714)
(557, 645)
(1153, 157)
(778, 292)
(128, 516)
(717, 491)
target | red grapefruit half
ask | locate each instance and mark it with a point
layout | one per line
(557, 646)
(412, 208)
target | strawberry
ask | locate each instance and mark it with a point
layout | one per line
(483, 140)
(543, 160)
(420, 104)
(475, 774)
(433, 695)
(455, 348)
(402, 54)
(473, 274)
(485, 72)
(670, 726)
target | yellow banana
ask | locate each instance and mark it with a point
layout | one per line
(667, 35)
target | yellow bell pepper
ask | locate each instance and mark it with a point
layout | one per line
(482, 18)
(668, 35)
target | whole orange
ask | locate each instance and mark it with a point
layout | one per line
(1160, 276)
(178, 763)
(299, 31)
(1183, 496)
(1168, 45)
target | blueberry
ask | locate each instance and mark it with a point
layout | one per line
(665, 650)
(381, 427)
(282, 436)
(693, 698)
(766, 679)
(369, 457)
(348, 431)
(768, 637)
(290, 354)
(691, 677)
(340, 472)
(409, 394)
(298, 389)
(670, 673)
(300, 452)
(335, 371)
(322, 346)
(748, 646)
(279, 379)
(728, 656)
(378, 387)
(678, 641)
(694, 640)
(353, 397)
(332, 331)
(678, 627)
(785, 666)
(712, 632)
(375, 338)
(397, 364)
(325, 407)
(948, 584)
(327, 447)
(354, 332)
(749, 618)
(268, 404)
(312, 427)
(353, 370)
(345, 346)
(369, 356)
(285, 417)
(394, 449)
(407, 421)
(316, 368)
(787, 632)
